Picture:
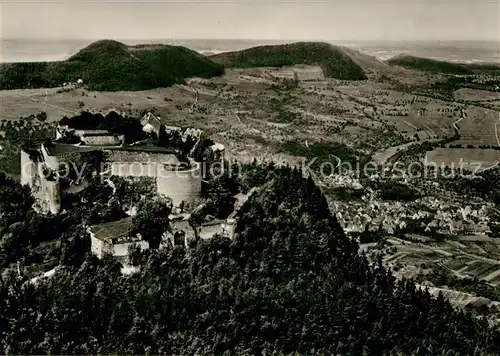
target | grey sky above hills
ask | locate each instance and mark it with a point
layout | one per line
(298, 20)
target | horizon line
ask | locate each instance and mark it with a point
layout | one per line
(244, 39)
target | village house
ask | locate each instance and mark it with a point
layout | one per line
(431, 214)
(115, 238)
(151, 123)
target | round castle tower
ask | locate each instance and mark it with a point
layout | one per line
(181, 184)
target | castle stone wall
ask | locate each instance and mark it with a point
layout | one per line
(100, 247)
(134, 169)
(50, 161)
(224, 228)
(97, 247)
(117, 155)
(28, 169)
(179, 185)
(53, 196)
(47, 192)
(229, 228)
(207, 232)
(121, 250)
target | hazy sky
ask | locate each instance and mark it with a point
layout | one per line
(322, 20)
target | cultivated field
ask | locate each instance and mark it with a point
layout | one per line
(480, 127)
(466, 257)
(467, 94)
(463, 157)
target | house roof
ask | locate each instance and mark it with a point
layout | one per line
(214, 222)
(115, 231)
(152, 120)
(217, 147)
(92, 132)
(101, 140)
(173, 128)
(180, 225)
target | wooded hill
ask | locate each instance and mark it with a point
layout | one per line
(442, 67)
(112, 66)
(334, 62)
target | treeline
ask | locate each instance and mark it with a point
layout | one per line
(418, 150)
(290, 282)
(483, 147)
(485, 185)
(397, 192)
(454, 83)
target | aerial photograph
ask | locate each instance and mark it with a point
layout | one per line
(250, 177)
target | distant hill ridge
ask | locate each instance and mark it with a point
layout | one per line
(334, 62)
(436, 66)
(108, 65)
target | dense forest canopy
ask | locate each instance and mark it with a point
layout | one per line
(290, 282)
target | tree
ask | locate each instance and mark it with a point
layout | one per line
(74, 247)
(152, 220)
(163, 138)
(42, 116)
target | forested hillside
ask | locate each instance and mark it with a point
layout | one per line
(333, 60)
(112, 66)
(291, 282)
(435, 66)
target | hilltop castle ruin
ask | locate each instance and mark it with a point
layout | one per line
(172, 156)
(178, 174)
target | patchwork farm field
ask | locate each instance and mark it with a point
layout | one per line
(467, 94)
(425, 127)
(463, 157)
(466, 259)
(480, 127)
